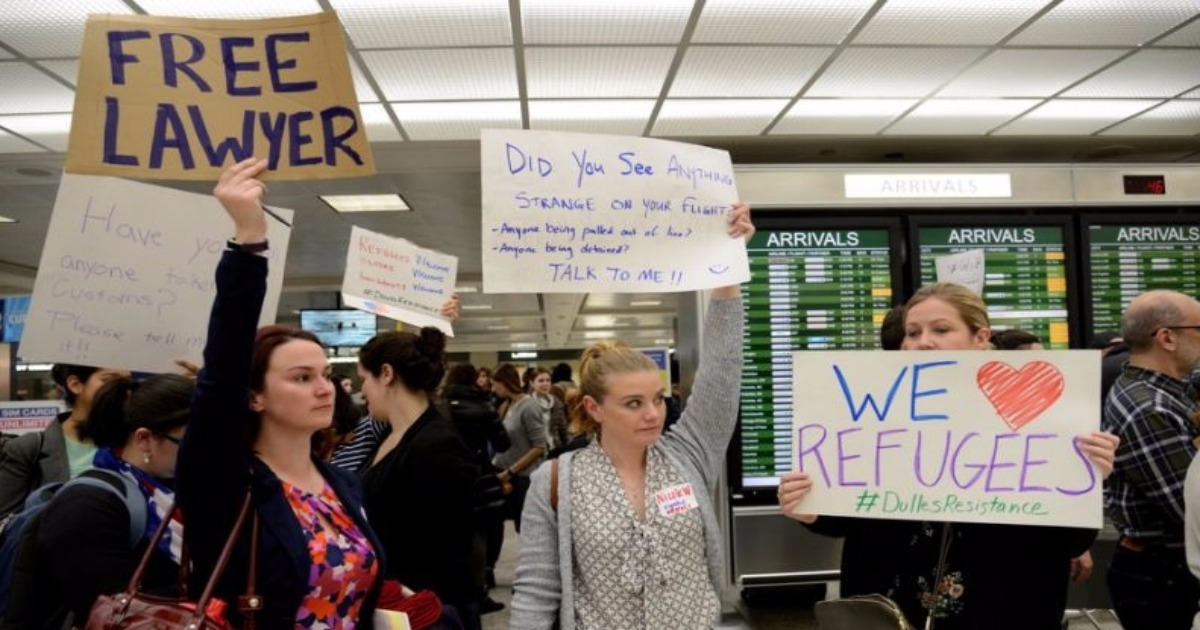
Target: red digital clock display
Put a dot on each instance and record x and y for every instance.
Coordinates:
(1145, 185)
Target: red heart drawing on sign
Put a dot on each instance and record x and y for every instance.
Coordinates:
(1020, 396)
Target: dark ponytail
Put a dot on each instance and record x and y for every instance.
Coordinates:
(159, 404)
(418, 360)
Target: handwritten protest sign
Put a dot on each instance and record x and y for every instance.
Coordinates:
(394, 278)
(126, 276)
(965, 268)
(177, 98)
(573, 213)
(950, 436)
(27, 416)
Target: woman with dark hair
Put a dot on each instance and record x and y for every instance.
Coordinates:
(418, 490)
(554, 409)
(527, 433)
(59, 452)
(1016, 339)
(81, 548)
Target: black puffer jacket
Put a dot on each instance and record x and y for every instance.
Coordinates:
(477, 422)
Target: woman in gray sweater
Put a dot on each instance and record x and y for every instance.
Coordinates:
(631, 538)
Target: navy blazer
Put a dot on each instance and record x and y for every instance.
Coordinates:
(216, 467)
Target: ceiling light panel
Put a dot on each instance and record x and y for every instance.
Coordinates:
(390, 202)
(616, 117)
(456, 121)
(715, 71)
(613, 22)
(50, 130)
(1149, 73)
(444, 75)
(1175, 118)
(892, 72)
(67, 69)
(1187, 36)
(1025, 73)
(778, 21)
(28, 90)
(1105, 22)
(946, 22)
(733, 117)
(968, 117)
(380, 127)
(230, 9)
(425, 23)
(596, 72)
(813, 116)
(1073, 117)
(39, 28)
(12, 144)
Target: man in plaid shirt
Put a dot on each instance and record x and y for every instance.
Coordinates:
(1150, 409)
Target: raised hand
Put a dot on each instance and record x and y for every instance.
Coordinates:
(241, 193)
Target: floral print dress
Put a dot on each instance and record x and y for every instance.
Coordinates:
(344, 565)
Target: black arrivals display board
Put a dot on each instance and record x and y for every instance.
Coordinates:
(1125, 259)
(809, 289)
(1027, 270)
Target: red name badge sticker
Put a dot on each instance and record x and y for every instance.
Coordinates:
(676, 500)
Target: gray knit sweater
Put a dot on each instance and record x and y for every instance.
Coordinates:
(695, 446)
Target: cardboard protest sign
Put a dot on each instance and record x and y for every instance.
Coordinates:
(975, 436)
(27, 416)
(178, 98)
(126, 276)
(965, 268)
(394, 278)
(574, 213)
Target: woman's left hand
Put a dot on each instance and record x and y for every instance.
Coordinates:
(451, 308)
(739, 221)
(1101, 448)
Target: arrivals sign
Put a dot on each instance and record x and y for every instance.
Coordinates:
(976, 436)
(176, 98)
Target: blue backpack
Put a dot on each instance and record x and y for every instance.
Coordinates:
(20, 529)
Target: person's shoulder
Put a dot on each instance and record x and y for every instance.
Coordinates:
(24, 445)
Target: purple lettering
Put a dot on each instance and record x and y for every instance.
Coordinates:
(954, 463)
(843, 458)
(917, 461)
(993, 465)
(879, 448)
(1087, 465)
(814, 449)
(1027, 463)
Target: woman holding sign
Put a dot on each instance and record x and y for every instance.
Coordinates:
(995, 577)
(622, 533)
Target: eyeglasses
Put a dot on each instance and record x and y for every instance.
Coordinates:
(172, 439)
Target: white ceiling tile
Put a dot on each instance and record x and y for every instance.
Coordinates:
(958, 23)
(1105, 22)
(68, 69)
(230, 9)
(596, 72)
(626, 118)
(448, 74)
(362, 88)
(425, 23)
(1073, 117)
(833, 116)
(28, 90)
(751, 71)
(4, 54)
(379, 125)
(1176, 118)
(1017, 73)
(1186, 36)
(968, 117)
(456, 121)
(1145, 74)
(778, 21)
(12, 144)
(733, 117)
(1193, 94)
(38, 28)
(50, 130)
(612, 22)
(892, 72)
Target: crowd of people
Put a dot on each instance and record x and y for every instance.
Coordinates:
(395, 497)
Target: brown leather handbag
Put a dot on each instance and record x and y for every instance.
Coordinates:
(134, 610)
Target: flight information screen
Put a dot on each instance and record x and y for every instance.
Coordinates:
(1126, 260)
(808, 290)
(1025, 274)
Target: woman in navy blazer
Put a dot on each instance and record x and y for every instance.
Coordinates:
(258, 402)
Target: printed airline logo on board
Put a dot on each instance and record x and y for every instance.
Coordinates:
(676, 500)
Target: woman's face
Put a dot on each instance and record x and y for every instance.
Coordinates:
(156, 454)
(297, 388)
(483, 381)
(633, 409)
(934, 324)
(85, 391)
(541, 384)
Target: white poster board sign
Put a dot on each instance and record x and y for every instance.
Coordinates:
(392, 277)
(575, 213)
(984, 437)
(126, 276)
(27, 416)
(965, 268)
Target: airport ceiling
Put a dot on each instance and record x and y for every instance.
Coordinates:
(773, 81)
